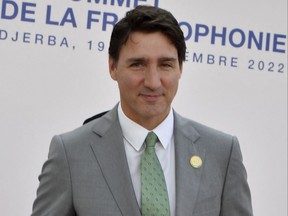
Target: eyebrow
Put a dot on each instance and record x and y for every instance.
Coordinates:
(140, 59)
(171, 59)
(135, 59)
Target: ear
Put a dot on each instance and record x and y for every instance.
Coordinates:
(112, 68)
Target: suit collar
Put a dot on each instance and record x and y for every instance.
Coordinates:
(184, 128)
(187, 177)
(104, 123)
(110, 154)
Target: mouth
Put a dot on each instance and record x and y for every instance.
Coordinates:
(150, 97)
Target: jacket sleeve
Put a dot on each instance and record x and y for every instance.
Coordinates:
(54, 194)
(236, 198)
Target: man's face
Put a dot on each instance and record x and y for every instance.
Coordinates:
(147, 72)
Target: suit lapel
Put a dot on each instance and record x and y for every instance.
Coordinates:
(187, 177)
(110, 154)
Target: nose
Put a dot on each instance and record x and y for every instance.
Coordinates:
(152, 78)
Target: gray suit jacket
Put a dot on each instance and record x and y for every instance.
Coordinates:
(87, 174)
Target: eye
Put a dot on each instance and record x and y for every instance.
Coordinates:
(135, 65)
(166, 65)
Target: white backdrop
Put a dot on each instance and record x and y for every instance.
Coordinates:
(54, 74)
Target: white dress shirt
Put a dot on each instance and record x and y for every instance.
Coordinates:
(134, 136)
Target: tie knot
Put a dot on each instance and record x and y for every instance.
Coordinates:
(151, 139)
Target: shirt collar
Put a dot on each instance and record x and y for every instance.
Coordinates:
(135, 134)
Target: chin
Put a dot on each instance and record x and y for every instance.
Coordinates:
(154, 111)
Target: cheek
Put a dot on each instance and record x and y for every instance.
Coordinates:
(129, 83)
(170, 83)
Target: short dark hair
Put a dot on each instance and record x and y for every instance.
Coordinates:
(147, 19)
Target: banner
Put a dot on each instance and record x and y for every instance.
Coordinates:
(54, 75)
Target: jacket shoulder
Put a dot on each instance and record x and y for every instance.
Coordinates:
(94, 126)
(186, 126)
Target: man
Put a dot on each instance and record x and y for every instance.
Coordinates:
(105, 168)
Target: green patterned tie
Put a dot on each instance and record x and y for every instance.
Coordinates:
(154, 196)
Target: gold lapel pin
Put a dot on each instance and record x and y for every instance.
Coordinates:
(196, 161)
